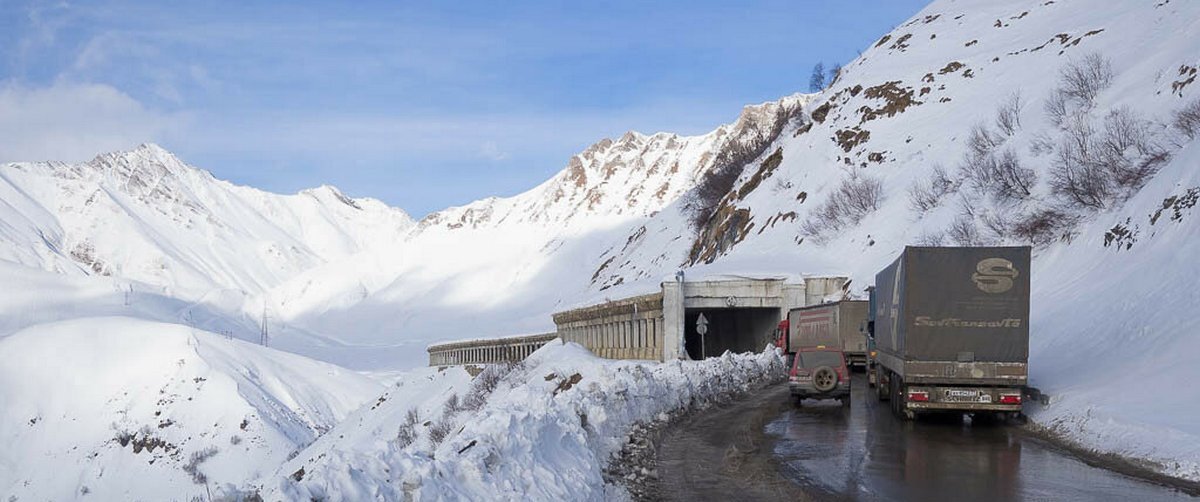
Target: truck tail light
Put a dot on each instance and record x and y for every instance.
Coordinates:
(1010, 399)
(918, 395)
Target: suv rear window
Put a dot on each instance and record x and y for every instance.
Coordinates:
(815, 359)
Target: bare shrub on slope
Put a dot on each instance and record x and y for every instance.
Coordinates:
(1094, 169)
(1008, 115)
(963, 231)
(440, 430)
(1000, 175)
(1084, 78)
(995, 173)
(1044, 226)
(192, 467)
(1056, 107)
(927, 194)
(408, 429)
(855, 198)
(484, 384)
(1079, 83)
(981, 141)
(1187, 119)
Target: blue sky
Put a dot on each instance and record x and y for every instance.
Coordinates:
(421, 104)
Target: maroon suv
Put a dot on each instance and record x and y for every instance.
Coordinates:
(820, 373)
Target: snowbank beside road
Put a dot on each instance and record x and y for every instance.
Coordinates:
(545, 432)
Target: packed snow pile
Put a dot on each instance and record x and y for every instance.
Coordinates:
(126, 409)
(544, 429)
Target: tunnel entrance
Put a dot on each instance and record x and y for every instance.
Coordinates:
(732, 329)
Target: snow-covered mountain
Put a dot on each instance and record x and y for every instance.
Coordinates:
(145, 216)
(1069, 125)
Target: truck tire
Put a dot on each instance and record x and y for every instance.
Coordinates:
(824, 379)
(900, 399)
(881, 385)
(892, 396)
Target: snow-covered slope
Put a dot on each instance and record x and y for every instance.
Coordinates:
(121, 408)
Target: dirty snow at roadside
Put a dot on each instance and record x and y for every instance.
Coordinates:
(545, 432)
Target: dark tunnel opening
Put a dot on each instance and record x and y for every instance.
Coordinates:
(733, 329)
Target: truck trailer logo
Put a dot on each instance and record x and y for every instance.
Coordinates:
(954, 322)
(994, 275)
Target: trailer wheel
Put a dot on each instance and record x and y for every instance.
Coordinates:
(882, 388)
(899, 399)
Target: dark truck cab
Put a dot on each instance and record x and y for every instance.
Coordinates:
(950, 330)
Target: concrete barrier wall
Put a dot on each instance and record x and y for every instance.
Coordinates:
(630, 328)
(499, 350)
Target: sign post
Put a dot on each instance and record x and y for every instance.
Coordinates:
(702, 328)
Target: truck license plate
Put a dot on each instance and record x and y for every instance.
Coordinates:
(969, 396)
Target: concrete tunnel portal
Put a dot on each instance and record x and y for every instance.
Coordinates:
(742, 314)
(729, 329)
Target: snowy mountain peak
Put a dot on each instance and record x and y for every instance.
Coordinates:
(146, 215)
(146, 159)
(613, 180)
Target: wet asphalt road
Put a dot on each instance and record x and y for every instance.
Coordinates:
(863, 453)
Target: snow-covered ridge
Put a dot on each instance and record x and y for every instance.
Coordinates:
(635, 175)
(146, 216)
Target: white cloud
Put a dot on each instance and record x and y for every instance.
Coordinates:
(73, 122)
(491, 151)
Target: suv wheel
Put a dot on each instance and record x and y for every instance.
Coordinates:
(824, 379)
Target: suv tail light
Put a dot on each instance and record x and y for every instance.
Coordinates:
(1010, 399)
(918, 395)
